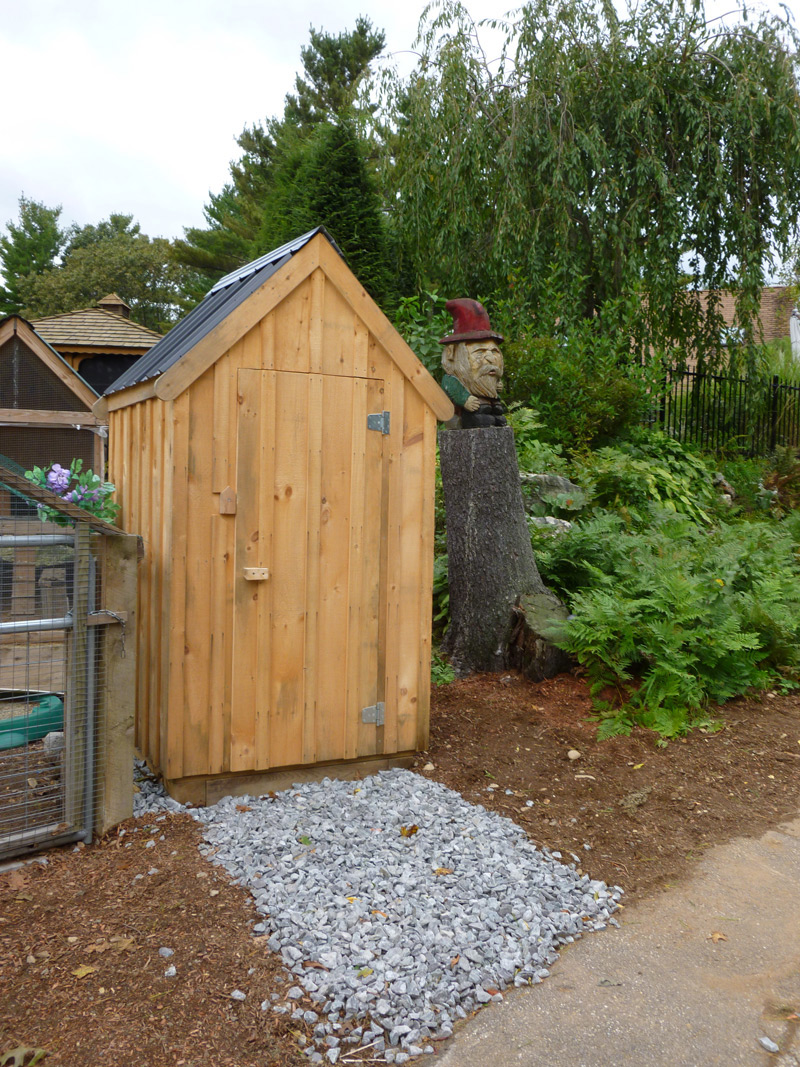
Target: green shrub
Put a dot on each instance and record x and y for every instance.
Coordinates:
(670, 618)
(583, 386)
(651, 469)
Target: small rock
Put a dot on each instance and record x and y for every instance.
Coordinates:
(573, 754)
(768, 1044)
(150, 844)
(295, 993)
(165, 953)
(429, 767)
(237, 994)
(170, 972)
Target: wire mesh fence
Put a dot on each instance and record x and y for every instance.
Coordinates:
(50, 674)
(721, 412)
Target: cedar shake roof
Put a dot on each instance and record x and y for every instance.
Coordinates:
(93, 328)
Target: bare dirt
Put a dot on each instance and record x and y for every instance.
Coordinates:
(80, 972)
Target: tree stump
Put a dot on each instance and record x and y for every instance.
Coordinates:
(500, 610)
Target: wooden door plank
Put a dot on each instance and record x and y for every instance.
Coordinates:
(333, 566)
(360, 514)
(391, 562)
(411, 575)
(264, 592)
(363, 737)
(247, 554)
(426, 583)
(287, 684)
(313, 521)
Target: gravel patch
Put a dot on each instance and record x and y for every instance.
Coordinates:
(397, 906)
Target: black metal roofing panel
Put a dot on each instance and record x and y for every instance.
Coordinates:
(216, 305)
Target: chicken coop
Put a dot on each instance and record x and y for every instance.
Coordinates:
(276, 452)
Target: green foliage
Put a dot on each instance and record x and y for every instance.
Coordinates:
(83, 488)
(441, 671)
(600, 156)
(746, 477)
(533, 455)
(113, 256)
(782, 483)
(325, 182)
(441, 595)
(422, 320)
(30, 248)
(672, 617)
(652, 469)
(334, 67)
(580, 379)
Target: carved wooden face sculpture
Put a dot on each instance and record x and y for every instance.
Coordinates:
(478, 365)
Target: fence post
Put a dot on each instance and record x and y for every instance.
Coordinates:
(773, 413)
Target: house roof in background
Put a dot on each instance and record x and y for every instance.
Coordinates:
(94, 328)
(228, 293)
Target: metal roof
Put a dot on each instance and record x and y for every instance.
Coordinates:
(216, 305)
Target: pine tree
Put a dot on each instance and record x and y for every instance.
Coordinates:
(30, 248)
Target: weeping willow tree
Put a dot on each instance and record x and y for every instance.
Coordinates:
(602, 158)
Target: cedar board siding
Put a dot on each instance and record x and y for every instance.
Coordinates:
(200, 705)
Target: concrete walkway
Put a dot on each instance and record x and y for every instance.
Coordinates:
(665, 990)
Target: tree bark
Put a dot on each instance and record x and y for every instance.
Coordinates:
(500, 610)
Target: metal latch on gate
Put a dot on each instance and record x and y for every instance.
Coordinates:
(379, 421)
(374, 713)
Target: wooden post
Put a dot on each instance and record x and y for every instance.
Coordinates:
(116, 704)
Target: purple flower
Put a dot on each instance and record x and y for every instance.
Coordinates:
(58, 478)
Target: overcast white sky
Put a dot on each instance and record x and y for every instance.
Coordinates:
(134, 107)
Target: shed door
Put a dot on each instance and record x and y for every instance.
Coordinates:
(307, 652)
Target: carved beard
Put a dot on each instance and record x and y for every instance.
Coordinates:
(478, 365)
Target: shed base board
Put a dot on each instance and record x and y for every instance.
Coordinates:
(202, 790)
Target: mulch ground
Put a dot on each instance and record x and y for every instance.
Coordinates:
(81, 976)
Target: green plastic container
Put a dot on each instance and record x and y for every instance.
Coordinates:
(46, 716)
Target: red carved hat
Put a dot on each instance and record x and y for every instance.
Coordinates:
(470, 322)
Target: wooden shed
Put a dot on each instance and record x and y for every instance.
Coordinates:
(276, 452)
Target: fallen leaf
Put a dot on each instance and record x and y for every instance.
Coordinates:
(717, 936)
(23, 1057)
(84, 970)
(121, 944)
(492, 991)
(377, 911)
(443, 870)
(308, 964)
(638, 766)
(243, 807)
(32, 783)
(304, 839)
(100, 946)
(365, 972)
(17, 880)
(454, 960)
(409, 831)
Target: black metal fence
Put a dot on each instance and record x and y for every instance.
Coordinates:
(719, 412)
